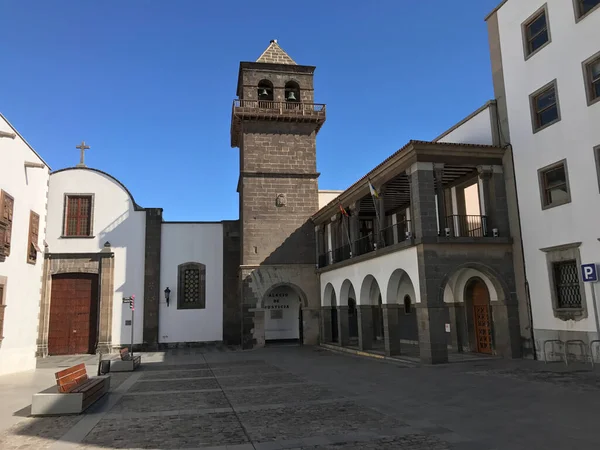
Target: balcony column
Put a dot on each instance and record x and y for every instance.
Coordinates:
(319, 247)
(391, 329)
(343, 325)
(422, 200)
(487, 209)
(441, 198)
(365, 327)
(381, 213)
(499, 201)
(354, 224)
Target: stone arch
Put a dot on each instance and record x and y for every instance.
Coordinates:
(453, 285)
(369, 291)
(347, 291)
(265, 90)
(400, 285)
(301, 295)
(292, 91)
(329, 297)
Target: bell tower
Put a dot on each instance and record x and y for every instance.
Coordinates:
(274, 124)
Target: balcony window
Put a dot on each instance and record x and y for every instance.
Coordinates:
(554, 185)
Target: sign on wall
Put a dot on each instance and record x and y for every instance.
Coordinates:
(589, 273)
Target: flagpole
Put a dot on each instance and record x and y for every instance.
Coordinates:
(373, 196)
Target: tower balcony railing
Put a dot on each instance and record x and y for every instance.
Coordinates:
(267, 107)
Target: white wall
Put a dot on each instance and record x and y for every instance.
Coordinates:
(115, 221)
(472, 130)
(572, 138)
(191, 242)
(326, 196)
(29, 188)
(381, 269)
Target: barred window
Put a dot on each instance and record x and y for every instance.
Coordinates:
(566, 284)
(78, 216)
(191, 286)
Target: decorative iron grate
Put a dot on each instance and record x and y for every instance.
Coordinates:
(566, 284)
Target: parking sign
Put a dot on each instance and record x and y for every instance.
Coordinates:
(589, 273)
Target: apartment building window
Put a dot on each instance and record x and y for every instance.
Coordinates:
(554, 185)
(545, 109)
(7, 204)
(591, 74)
(536, 32)
(566, 286)
(584, 7)
(78, 215)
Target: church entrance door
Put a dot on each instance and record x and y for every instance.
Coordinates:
(73, 314)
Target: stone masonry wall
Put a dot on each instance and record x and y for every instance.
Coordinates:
(231, 296)
(152, 277)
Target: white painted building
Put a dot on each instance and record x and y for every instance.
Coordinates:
(191, 244)
(23, 197)
(546, 67)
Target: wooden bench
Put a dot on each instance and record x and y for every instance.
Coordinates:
(126, 363)
(74, 392)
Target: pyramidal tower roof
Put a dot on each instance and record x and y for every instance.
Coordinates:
(274, 54)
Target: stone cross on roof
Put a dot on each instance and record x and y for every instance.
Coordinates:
(82, 147)
(274, 54)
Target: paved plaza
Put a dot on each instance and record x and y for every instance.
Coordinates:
(310, 398)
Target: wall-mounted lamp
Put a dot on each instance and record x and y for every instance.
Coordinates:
(167, 295)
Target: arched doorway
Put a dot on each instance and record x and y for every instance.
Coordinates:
(283, 315)
(477, 298)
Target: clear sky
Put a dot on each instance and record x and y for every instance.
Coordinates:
(149, 84)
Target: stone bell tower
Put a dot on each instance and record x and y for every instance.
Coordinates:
(274, 124)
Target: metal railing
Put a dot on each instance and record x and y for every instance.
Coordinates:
(391, 235)
(268, 106)
(465, 226)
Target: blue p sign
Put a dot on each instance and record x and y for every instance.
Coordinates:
(589, 272)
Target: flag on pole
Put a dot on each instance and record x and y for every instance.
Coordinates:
(343, 211)
(374, 192)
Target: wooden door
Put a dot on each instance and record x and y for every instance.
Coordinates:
(73, 314)
(481, 316)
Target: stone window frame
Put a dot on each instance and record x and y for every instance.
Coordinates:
(533, 111)
(527, 22)
(3, 290)
(542, 185)
(560, 253)
(579, 16)
(33, 247)
(587, 79)
(201, 302)
(64, 234)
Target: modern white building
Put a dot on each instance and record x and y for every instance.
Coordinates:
(546, 71)
(23, 197)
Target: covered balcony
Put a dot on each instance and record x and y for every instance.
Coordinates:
(425, 193)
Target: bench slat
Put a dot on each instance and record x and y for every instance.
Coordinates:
(69, 379)
(88, 385)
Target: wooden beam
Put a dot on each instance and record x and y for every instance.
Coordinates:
(34, 165)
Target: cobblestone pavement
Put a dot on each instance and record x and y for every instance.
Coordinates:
(305, 398)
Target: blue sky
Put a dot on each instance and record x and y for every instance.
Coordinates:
(149, 84)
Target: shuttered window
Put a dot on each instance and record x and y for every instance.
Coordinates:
(2, 308)
(6, 219)
(32, 243)
(78, 219)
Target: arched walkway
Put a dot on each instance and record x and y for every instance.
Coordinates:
(370, 315)
(400, 314)
(329, 315)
